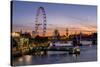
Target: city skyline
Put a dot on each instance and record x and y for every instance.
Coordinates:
(77, 18)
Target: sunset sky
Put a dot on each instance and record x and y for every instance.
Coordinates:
(77, 18)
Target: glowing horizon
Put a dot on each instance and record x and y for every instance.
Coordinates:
(77, 18)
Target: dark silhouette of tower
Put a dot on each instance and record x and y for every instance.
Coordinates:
(67, 33)
(56, 35)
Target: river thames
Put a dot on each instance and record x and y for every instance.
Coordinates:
(88, 53)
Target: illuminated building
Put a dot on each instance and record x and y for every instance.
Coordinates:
(15, 34)
(33, 34)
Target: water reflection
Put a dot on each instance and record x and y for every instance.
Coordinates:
(88, 53)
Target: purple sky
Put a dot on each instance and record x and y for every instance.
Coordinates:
(59, 16)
